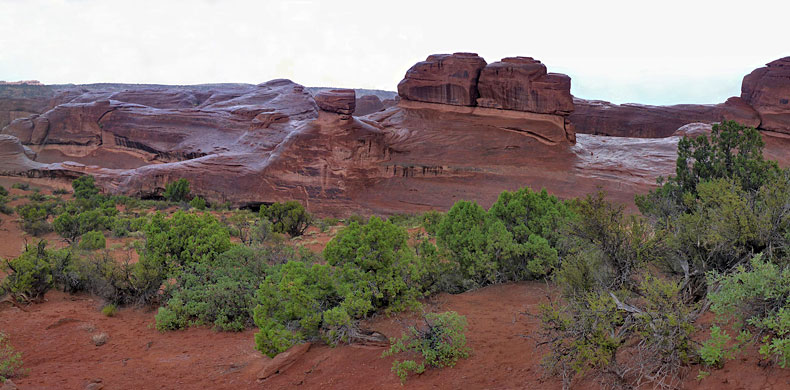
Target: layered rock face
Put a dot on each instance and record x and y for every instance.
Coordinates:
(252, 144)
(644, 121)
(339, 101)
(522, 84)
(767, 89)
(444, 79)
(519, 90)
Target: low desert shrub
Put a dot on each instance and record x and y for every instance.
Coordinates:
(10, 359)
(177, 191)
(288, 218)
(92, 240)
(221, 295)
(30, 275)
(34, 218)
(755, 299)
(440, 341)
(109, 310)
(198, 203)
(21, 186)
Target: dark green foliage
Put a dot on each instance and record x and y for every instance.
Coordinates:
(184, 239)
(288, 218)
(198, 203)
(441, 341)
(21, 186)
(378, 258)
(34, 218)
(177, 191)
(4, 208)
(527, 213)
(84, 187)
(291, 306)
(222, 294)
(732, 152)
(515, 240)
(74, 222)
(31, 274)
(92, 240)
(369, 267)
(463, 233)
(431, 220)
(60, 191)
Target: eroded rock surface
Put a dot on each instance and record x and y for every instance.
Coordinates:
(523, 84)
(645, 121)
(252, 144)
(767, 89)
(339, 101)
(444, 79)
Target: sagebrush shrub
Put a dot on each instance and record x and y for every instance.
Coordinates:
(440, 341)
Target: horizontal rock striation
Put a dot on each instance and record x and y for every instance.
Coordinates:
(644, 121)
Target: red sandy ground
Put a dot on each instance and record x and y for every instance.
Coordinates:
(54, 338)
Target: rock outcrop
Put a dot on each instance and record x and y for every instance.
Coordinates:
(339, 101)
(485, 132)
(444, 79)
(767, 89)
(523, 84)
(644, 121)
(369, 104)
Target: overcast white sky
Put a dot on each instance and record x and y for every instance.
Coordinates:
(656, 52)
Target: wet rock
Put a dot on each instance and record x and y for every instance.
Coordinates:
(444, 78)
(767, 89)
(339, 101)
(523, 84)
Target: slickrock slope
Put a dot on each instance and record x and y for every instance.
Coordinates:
(463, 129)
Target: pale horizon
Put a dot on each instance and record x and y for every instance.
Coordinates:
(669, 53)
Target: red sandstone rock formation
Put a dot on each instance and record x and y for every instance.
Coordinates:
(444, 79)
(637, 120)
(339, 101)
(767, 89)
(369, 104)
(522, 84)
(251, 144)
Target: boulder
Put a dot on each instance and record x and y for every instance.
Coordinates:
(339, 101)
(283, 360)
(693, 130)
(767, 90)
(444, 78)
(522, 84)
(368, 104)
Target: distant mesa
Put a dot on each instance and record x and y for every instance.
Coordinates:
(21, 82)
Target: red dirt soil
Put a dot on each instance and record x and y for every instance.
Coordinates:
(54, 338)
